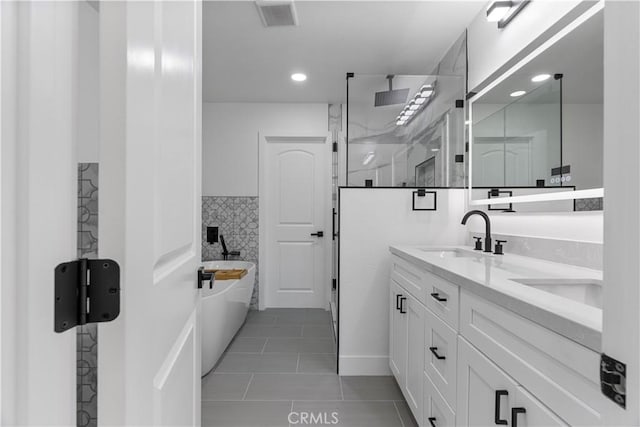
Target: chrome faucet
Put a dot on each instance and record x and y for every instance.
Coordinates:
(487, 223)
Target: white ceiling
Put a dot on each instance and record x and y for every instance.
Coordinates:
(246, 62)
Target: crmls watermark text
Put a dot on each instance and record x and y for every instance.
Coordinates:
(315, 418)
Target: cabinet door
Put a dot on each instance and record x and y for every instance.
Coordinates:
(415, 314)
(398, 334)
(485, 393)
(530, 412)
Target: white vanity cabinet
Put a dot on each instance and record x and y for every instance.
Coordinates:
(461, 360)
(489, 396)
(406, 345)
(398, 334)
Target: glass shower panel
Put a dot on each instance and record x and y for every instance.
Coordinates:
(405, 131)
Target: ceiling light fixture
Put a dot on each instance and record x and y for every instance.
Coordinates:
(503, 12)
(420, 101)
(518, 93)
(540, 78)
(368, 158)
(298, 77)
(426, 91)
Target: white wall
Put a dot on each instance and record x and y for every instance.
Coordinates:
(371, 220)
(490, 48)
(582, 143)
(88, 83)
(230, 140)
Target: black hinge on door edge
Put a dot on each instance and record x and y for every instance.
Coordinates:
(335, 147)
(86, 291)
(613, 379)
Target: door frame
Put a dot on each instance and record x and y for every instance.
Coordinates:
(38, 114)
(285, 136)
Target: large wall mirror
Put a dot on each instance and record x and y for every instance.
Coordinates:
(536, 133)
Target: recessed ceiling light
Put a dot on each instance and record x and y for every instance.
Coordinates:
(540, 78)
(518, 93)
(498, 10)
(298, 77)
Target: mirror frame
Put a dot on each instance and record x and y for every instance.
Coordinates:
(530, 198)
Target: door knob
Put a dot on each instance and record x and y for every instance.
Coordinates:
(318, 234)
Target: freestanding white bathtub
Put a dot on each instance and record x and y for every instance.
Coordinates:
(224, 309)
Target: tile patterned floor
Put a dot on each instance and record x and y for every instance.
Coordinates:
(282, 362)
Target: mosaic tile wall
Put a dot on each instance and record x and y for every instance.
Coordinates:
(237, 220)
(87, 335)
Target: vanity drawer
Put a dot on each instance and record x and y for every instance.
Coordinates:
(410, 277)
(559, 372)
(436, 411)
(440, 355)
(442, 298)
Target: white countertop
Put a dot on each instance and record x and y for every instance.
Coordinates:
(490, 276)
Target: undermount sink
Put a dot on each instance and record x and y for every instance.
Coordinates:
(450, 253)
(585, 291)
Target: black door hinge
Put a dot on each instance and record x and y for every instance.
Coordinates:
(335, 147)
(86, 291)
(613, 379)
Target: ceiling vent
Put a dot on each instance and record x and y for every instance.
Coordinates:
(274, 13)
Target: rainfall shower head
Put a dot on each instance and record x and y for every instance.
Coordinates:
(391, 97)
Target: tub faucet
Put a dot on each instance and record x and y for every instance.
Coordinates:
(225, 252)
(487, 223)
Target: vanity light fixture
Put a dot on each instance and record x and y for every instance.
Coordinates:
(518, 93)
(540, 78)
(298, 77)
(420, 101)
(368, 158)
(498, 10)
(409, 113)
(503, 12)
(413, 106)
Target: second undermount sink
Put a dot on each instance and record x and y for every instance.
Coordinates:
(585, 291)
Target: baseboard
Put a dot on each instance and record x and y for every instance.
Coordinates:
(364, 365)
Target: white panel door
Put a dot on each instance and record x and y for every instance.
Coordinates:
(149, 361)
(296, 205)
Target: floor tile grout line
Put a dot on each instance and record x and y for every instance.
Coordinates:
(398, 413)
(264, 347)
(298, 364)
(341, 390)
(244, 396)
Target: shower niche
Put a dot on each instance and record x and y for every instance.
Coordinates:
(405, 131)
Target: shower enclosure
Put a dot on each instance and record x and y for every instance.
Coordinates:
(405, 131)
